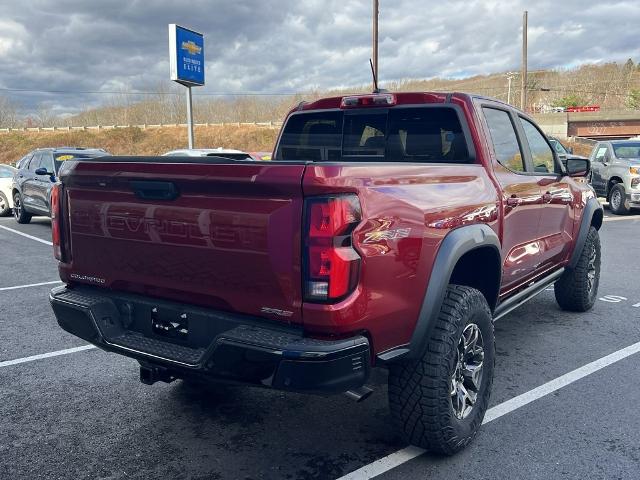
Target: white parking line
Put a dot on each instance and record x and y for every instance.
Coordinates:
(33, 358)
(402, 456)
(26, 235)
(17, 287)
(617, 219)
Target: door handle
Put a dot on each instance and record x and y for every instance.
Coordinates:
(513, 201)
(154, 190)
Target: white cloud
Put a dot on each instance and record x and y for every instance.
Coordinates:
(296, 45)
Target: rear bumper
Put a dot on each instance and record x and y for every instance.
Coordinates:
(215, 345)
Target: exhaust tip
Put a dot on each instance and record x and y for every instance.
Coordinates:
(359, 394)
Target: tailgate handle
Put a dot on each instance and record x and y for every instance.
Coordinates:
(154, 190)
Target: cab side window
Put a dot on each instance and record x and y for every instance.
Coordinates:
(47, 162)
(24, 161)
(601, 154)
(504, 139)
(34, 164)
(541, 152)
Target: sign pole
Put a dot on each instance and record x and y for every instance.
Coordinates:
(190, 117)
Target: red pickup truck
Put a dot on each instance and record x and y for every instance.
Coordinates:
(389, 230)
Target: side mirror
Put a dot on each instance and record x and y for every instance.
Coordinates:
(578, 167)
(43, 171)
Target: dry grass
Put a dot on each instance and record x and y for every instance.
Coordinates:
(580, 148)
(134, 141)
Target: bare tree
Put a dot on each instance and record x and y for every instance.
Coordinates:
(45, 116)
(8, 113)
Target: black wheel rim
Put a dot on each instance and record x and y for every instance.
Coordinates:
(17, 207)
(3, 203)
(466, 379)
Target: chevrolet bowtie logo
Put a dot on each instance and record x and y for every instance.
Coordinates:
(191, 47)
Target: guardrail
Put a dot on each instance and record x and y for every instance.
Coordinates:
(143, 126)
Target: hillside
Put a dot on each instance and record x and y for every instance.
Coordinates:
(612, 86)
(135, 141)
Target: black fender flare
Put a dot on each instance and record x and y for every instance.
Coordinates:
(591, 208)
(454, 245)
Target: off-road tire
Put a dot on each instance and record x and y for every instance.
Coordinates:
(4, 205)
(19, 212)
(420, 390)
(575, 291)
(621, 206)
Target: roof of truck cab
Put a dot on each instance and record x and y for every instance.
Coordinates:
(402, 98)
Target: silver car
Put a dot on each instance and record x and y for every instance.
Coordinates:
(615, 173)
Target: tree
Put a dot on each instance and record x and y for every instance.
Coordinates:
(571, 100)
(8, 113)
(45, 116)
(633, 100)
(629, 66)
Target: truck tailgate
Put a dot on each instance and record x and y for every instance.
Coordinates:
(223, 235)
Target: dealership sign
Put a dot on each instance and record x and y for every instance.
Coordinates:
(186, 56)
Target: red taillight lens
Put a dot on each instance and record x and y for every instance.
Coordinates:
(332, 264)
(56, 220)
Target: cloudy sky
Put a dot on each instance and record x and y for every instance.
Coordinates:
(283, 46)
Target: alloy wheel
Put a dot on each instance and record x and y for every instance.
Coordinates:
(616, 199)
(591, 268)
(467, 376)
(17, 207)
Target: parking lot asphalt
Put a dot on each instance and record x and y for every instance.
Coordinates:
(85, 414)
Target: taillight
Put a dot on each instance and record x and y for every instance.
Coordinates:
(56, 220)
(331, 263)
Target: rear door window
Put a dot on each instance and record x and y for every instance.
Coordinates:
(24, 161)
(404, 134)
(504, 139)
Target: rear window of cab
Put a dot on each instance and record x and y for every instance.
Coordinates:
(402, 134)
(62, 157)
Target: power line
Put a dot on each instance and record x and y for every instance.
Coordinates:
(287, 94)
(569, 89)
(107, 92)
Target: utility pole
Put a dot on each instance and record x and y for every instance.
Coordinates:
(376, 12)
(510, 77)
(523, 92)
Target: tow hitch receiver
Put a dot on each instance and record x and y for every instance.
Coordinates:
(174, 328)
(150, 374)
